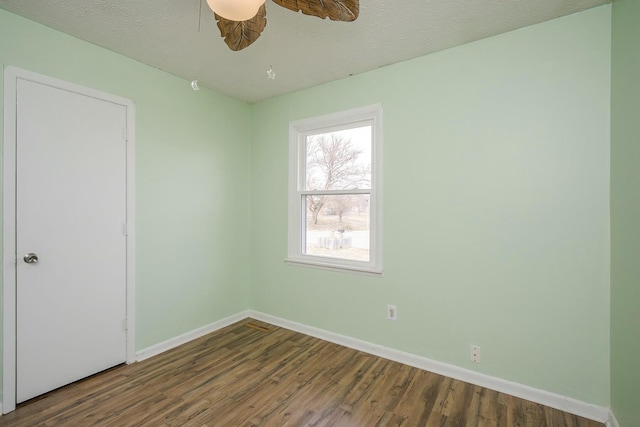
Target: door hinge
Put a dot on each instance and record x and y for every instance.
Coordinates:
(125, 229)
(124, 324)
(125, 134)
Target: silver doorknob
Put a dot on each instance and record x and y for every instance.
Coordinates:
(30, 258)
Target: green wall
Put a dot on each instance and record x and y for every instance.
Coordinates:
(192, 179)
(625, 212)
(496, 208)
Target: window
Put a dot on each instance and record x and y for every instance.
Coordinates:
(335, 190)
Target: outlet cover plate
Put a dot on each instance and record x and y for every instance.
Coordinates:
(474, 353)
(392, 312)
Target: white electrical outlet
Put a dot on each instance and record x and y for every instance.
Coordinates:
(474, 354)
(392, 312)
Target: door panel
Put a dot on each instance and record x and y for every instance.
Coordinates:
(71, 212)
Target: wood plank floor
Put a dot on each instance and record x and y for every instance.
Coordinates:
(242, 376)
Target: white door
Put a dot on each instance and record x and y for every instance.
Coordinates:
(71, 213)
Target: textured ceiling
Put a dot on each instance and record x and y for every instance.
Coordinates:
(181, 36)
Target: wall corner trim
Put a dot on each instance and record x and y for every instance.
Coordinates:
(547, 398)
(612, 421)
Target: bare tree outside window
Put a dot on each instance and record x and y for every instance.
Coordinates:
(338, 172)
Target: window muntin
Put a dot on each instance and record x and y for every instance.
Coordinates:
(335, 191)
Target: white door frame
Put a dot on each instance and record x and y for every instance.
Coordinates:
(9, 258)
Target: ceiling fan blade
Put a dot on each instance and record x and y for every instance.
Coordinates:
(336, 10)
(240, 34)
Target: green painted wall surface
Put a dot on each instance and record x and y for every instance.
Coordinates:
(496, 208)
(192, 179)
(625, 212)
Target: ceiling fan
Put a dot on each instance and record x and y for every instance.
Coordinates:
(241, 21)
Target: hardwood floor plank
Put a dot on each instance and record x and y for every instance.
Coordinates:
(262, 375)
(436, 419)
(459, 397)
(441, 402)
(473, 413)
(488, 413)
(359, 388)
(418, 402)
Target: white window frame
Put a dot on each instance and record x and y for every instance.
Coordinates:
(298, 131)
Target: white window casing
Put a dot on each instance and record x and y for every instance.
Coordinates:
(299, 130)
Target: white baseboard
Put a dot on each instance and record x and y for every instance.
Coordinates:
(189, 336)
(553, 400)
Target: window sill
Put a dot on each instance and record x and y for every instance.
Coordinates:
(367, 271)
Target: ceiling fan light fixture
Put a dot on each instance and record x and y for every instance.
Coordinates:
(236, 10)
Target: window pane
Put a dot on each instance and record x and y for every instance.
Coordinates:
(339, 160)
(338, 226)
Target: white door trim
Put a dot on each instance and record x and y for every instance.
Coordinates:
(9, 259)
